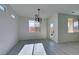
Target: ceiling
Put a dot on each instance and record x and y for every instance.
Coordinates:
(46, 9)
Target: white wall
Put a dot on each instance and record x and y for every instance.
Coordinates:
(63, 35)
(60, 22)
(24, 33)
(53, 20)
(8, 31)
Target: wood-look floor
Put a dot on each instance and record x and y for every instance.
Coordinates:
(51, 48)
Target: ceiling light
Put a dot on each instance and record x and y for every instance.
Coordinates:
(2, 8)
(37, 16)
(73, 12)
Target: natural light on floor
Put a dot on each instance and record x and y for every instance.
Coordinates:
(33, 49)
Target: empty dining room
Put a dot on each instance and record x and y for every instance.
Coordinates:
(39, 29)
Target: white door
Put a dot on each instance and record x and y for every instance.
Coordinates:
(51, 31)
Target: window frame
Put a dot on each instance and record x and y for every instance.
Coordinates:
(73, 20)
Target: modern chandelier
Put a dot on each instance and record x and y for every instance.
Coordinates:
(37, 16)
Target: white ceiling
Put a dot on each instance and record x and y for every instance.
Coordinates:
(46, 9)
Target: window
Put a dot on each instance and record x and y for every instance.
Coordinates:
(34, 26)
(76, 27)
(73, 25)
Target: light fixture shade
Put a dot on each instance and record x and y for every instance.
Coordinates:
(37, 18)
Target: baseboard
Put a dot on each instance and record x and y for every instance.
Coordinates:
(68, 42)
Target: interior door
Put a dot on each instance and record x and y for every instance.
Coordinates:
(51, 31)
